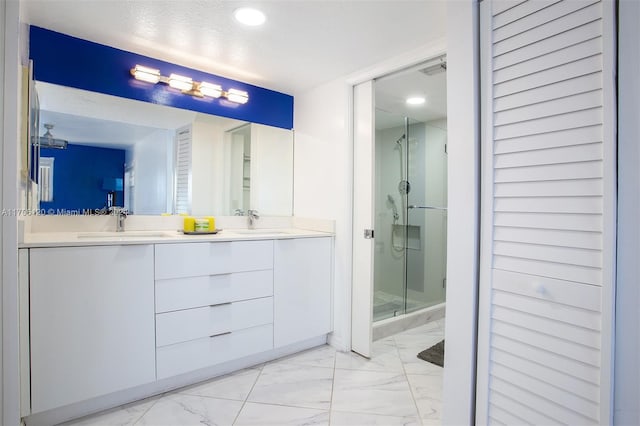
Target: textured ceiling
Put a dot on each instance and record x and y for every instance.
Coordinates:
(303, 44)
(391, 93)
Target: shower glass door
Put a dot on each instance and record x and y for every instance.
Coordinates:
(410, 214)
(426, 242)
(390, 215)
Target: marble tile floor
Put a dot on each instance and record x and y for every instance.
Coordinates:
(319, 386)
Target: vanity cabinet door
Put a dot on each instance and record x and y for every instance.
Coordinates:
(302, 289)
(92, 322)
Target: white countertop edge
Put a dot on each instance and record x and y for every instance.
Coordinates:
(75, 239)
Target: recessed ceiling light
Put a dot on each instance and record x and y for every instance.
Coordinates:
(249, 16)
(415, 100)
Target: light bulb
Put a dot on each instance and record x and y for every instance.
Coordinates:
(211, 90)
(238, 96)
(415, 100)
(180, 82)
(249, 16)
(150, 75)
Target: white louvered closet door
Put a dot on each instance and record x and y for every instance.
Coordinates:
(183, 169)
(548, 207)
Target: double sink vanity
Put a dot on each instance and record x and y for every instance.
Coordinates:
(110, 317)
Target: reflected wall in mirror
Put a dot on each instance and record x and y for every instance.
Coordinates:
(156, 159)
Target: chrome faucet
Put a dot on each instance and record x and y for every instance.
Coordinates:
(253, 216)
(121, 214)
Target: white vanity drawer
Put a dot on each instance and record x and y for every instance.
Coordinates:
(192, 292)
(191, 324)
(252, 255)
(195, 354)
(196, 259)
(192, 259)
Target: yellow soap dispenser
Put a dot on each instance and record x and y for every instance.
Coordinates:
(189, 224)
(212, 223)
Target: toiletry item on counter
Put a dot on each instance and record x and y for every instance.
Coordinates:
(189, 224)
(199, 225)
(202, 225)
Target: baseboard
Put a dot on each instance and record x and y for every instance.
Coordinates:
(126, 396)
(337, 341)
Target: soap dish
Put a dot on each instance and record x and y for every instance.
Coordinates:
(199, 232)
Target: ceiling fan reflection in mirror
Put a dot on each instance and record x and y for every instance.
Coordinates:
(48, 141)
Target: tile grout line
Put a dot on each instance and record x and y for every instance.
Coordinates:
(248, 393)
(404, 370)
(333, 384)
(150, 407)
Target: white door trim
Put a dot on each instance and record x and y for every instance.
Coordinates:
(363, 218)
(408, 59)
(609, 213)
(486, 217)
(10, 184)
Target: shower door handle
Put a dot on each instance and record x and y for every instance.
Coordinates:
(428, 207)
(368, 234)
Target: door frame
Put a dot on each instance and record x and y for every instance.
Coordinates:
(432, 50)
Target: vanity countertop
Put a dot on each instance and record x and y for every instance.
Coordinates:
(75, 239)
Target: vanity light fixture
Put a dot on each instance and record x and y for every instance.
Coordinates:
(180, 82)
(187, 86)
(210, 89)
(238, 96)
(150, 75)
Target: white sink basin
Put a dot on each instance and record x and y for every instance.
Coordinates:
(126, 234)
(258, 232)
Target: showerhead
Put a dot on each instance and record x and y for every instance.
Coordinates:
(400, 139)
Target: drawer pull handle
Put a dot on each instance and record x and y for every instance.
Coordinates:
(220, 304)
(220, 334)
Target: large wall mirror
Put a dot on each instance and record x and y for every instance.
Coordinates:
(97, 150)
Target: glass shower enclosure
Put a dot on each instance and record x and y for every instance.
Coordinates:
(410, 214)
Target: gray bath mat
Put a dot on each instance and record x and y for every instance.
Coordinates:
(434, 355)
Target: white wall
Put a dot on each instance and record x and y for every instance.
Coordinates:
(627, 340)
(207, 166)
(152, 159)
(463, 222)
(322, 182)
(11, 53)
(271, 170)
(3, 137)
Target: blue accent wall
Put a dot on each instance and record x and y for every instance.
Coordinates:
(78, 175)
(73, 62)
